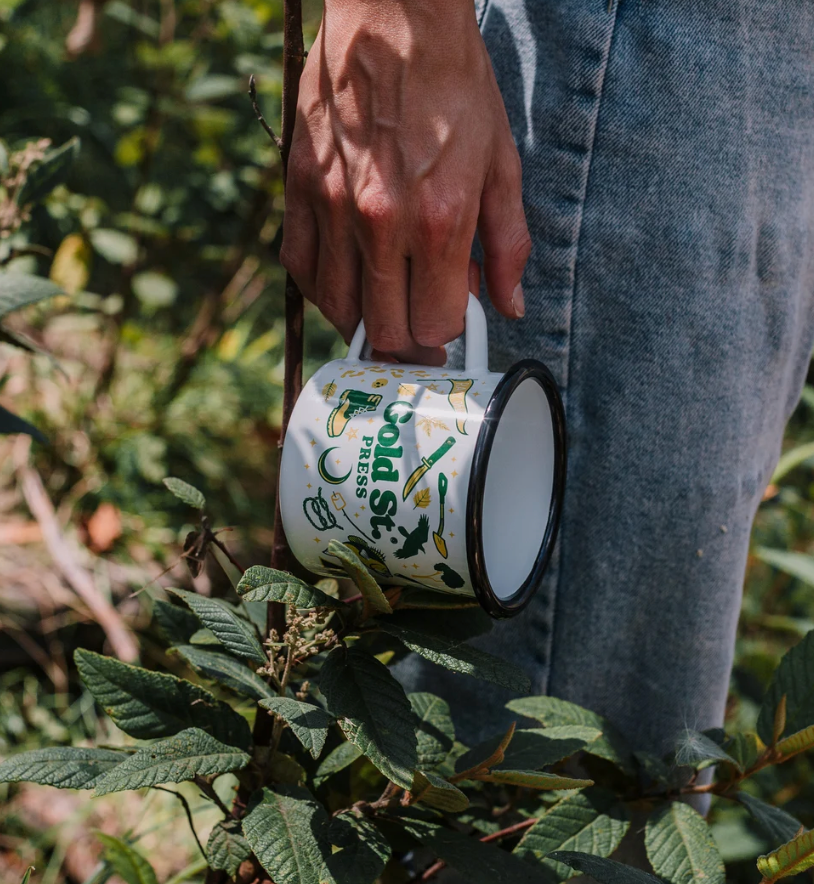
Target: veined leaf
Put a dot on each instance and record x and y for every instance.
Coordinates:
(435, 732)
(532, 779)
(176, 623)
(422, 498)
(744, 748)
(354, 567)
(66, 767)
(777, 825)
(479, 863)
(148, 704)
(20, 289)
(794, 679)
(11, 423)
(802, 741)
(261, 584)
(459, 657)
(606, 871)
(226, 671)
(681, 848)
(227, 848)
(434, 790)
(790, 859)
(364, 850)
(697, 750)
(288, 832)
(592, 822)
(308, 723)
(189, 494)
(184, 756)
(126, 861)
(48, 173)
(233, 632)
(338, 759)
(373, 711)
(535, 748)
(551, 711)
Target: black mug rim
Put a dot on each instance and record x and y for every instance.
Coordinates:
(501, 608)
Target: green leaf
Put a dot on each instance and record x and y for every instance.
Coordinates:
(261, 584)
(20, 289)
(11, 423)
(227, 848)
(364, 850)
(233, 632)
(187, 493)
(799, 565)
(66, 767)
(531, 779)
(791, 460)
(592, 822)
(226, 671)
(479, 863)
(459, 657)
(148, 704)
(484, 756)
(126, 861)
(176, 623)
(354, 567)
(309, 723)
(184, 756)
(777, 825)
(551, 711)
(434, 790)
(48, 173)
(455, 625)
(802, 741)
(435, 732)
(338, 759)
(114, 246)
(606, 871)
(743, 748)
(373, 711)
(419, 599)
(27, 875)
(794, 678)
(288, 832)
(790, 859)
(681, 848)
(697, 750)
(535, 748)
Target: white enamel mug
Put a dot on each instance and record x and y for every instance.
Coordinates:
(442, 480)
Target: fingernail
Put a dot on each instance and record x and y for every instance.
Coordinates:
(518, 304)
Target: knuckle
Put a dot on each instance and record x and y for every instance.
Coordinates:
(376, 208)
(387, 338)
(332, 190)
(435, 334)
(439, 219)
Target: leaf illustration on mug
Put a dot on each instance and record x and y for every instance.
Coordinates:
(328, 390)
(422, 498)
(428, 424)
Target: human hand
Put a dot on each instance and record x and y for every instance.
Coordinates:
(401, 148)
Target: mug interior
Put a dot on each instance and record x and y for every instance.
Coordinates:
(518, 487)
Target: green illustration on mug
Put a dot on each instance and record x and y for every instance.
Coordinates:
(320, 516)
(438, 536)
(427, 464)
(351, 404)
(322, 468)
(413, 540)
(372, 558)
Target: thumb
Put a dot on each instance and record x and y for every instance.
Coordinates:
(504, 235)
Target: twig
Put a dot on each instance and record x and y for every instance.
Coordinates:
(64, 557)
(209, 790)
(436, 867)
(222, 547)
(278, 142)
(188, 812)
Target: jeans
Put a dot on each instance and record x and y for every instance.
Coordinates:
(668, 162)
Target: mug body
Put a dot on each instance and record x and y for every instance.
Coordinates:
(440, 480)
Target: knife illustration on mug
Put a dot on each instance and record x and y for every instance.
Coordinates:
(427, 464)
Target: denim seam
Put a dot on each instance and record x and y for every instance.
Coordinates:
(613, 10)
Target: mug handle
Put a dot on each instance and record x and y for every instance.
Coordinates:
(477, 346)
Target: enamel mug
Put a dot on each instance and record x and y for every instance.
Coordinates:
(450, 481)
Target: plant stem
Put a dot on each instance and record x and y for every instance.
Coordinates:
(188, 812)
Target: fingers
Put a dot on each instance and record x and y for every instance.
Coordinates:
(504, 235)
(339, 274)
(300, 247)
(439, 293)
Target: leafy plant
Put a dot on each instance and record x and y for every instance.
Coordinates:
(343, 777)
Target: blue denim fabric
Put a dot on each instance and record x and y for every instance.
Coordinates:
(668, 157)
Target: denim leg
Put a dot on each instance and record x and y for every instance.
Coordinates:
(668, 156)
